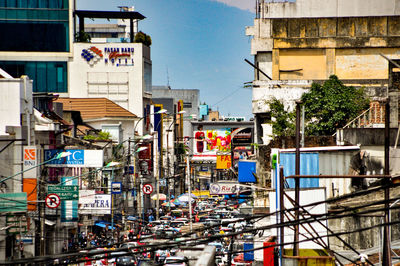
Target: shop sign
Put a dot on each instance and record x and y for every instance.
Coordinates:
(101, 205)
(223, 188)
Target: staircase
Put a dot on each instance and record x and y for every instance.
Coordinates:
(373, 117)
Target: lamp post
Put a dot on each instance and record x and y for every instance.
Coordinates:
(141, 180)
(162, 111)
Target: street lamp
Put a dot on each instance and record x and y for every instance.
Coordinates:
(162, 111)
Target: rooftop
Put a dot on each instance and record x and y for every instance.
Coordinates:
(95, 107)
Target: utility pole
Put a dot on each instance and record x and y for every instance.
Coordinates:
(297, 182)
(386, 256)
(189, 181)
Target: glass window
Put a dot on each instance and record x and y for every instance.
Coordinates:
(46, 76)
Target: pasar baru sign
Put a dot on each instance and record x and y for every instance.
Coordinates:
(224, 161)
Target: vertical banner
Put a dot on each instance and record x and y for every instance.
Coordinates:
(69, 208)
(31, 189)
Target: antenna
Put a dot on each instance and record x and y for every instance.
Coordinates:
(167, 77)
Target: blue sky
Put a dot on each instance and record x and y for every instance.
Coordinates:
(201, 42)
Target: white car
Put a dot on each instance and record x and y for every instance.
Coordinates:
(176, 261)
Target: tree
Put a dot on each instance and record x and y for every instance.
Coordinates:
(331, 105)
(282, 120)
(327, 107)
(142, 37)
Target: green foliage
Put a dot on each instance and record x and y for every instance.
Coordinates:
(142, 37)
(283, 122)
(101, 135)
(331, 106)
(82, 37)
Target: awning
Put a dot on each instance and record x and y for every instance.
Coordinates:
(103, 225)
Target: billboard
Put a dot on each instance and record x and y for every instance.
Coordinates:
(207, 143)
(77, 158)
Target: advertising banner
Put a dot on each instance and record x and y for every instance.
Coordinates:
(101, 205)
(208, 142)
(224, 161)
(223, 188)
(77, 158)
(145, 160)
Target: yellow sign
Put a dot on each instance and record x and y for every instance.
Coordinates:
(224, 161)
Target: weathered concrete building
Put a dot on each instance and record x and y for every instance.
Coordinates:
(296, 43)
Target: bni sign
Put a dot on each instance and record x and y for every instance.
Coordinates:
(30, 161)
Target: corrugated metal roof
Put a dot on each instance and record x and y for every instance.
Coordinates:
(95, 107)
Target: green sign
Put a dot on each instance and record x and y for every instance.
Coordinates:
(64, 192)
(16, 224)
(13, 202)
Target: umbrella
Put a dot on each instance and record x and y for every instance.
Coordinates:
(185, 197)
(187, 194)
(160, 197)
(177, 202)
(169, 204)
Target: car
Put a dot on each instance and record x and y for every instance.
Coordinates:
(176, 261)
(125, 260)
(161, 255)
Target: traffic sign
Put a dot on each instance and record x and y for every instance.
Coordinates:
(65, 192)
(116, 188)
(52, 201)
(147, 189)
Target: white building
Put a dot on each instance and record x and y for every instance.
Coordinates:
(120, 72)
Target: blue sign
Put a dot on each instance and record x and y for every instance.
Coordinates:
(131, 169)
(116, 188)
(248, 255)
(247, 169)
(76, 157)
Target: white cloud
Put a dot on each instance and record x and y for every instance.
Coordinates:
(242, 4)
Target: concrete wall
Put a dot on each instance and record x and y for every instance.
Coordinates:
(330, 8)
(126, 124)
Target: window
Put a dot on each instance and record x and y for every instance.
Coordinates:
(34, 25)
(187, 105)
(46, 76)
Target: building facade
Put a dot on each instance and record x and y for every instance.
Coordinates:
(298, 42)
